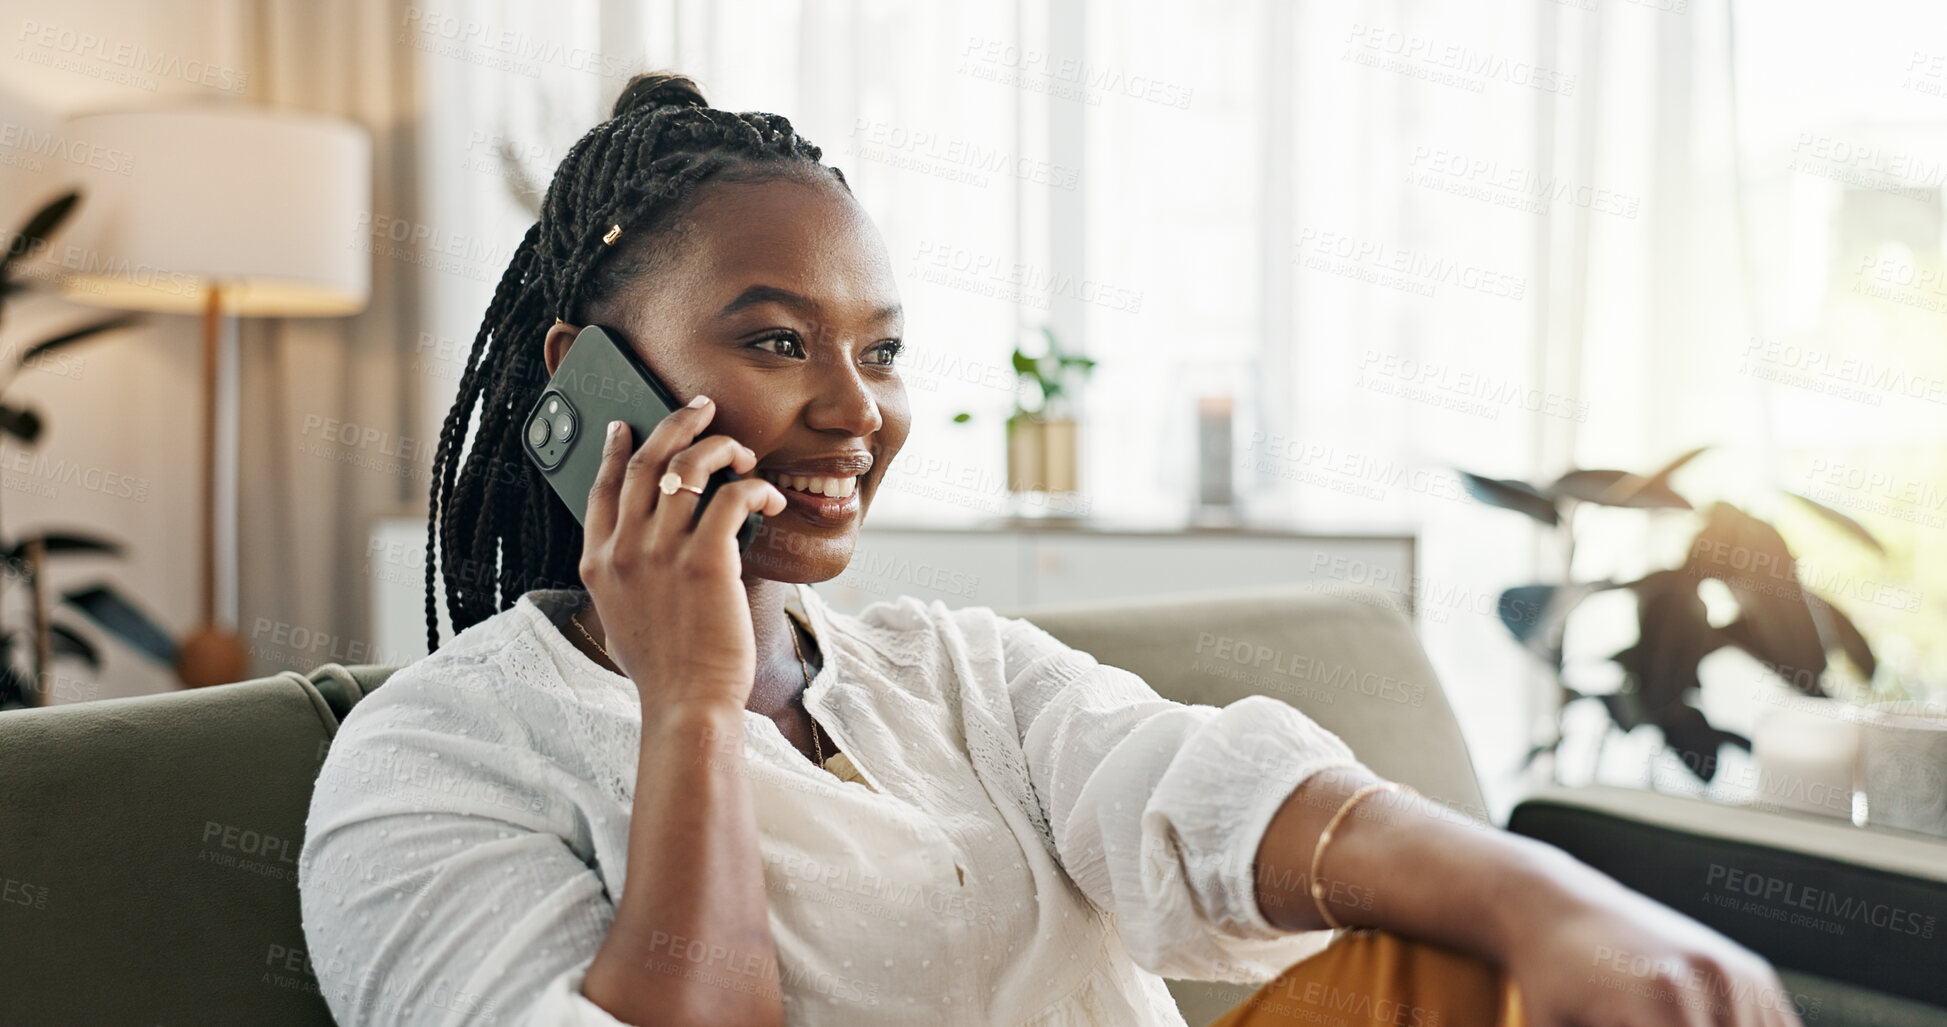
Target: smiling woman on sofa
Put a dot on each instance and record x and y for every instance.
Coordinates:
(652, 780)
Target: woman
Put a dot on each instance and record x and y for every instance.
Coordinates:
(914, 815)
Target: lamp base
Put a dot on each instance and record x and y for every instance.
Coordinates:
(211, 655)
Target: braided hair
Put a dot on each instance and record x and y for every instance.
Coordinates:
(499, 527)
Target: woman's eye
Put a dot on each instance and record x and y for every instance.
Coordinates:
(888, 351)
(793, 346)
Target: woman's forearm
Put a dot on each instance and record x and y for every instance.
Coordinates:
(1580, 946)
(691, 940)
(1405, 863)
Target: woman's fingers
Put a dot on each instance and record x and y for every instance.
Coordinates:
(731, 503)
(674, 432)
(598, 520)
(694, 465)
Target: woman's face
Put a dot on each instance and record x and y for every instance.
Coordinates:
(776, 299)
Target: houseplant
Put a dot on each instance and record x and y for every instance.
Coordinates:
(27, 556)
(1042, 453)
(1780, 622)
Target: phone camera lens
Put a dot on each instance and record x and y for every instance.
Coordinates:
(537, 432)
(564, 427)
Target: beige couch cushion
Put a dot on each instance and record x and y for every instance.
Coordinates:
(1354, 667)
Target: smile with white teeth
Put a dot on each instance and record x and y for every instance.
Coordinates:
(835, 488)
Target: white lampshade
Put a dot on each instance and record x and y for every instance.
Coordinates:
(272, 206)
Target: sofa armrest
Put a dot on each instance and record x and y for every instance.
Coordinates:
(343, 685)
(155, 841)
(1832, 903)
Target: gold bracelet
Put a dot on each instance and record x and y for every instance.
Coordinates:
(1318, 887)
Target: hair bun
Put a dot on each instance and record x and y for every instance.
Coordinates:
(653, 89)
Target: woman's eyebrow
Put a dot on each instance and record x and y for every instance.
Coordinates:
(802, 305)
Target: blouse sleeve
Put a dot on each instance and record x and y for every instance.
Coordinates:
(1157, 807)
(437, 882)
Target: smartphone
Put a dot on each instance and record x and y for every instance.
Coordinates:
(601, 379)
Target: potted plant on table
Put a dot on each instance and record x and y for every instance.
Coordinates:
(1042, 433)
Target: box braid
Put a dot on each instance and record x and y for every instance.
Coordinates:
(504, 531)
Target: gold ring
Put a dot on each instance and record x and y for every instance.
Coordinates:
(672, 481)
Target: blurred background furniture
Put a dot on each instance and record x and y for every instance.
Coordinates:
(152, 842)
(1855, 920)
(997, 562)
(209, 227)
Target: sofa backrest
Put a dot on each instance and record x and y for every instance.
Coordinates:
(148, 846)
(1347, 660)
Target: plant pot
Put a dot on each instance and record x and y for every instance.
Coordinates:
(1903, 766)
(1805, 749)
(1041, 455)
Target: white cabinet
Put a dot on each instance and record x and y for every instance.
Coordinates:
(1020, 566)
(1012, 565)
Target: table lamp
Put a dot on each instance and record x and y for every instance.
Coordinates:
(219, 209)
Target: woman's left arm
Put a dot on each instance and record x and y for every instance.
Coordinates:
(1581, 947)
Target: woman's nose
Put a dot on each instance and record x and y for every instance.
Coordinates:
(845, 402)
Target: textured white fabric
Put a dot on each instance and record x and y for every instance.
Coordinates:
(1048, 835)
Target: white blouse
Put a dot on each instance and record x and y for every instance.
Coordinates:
(1039, 837)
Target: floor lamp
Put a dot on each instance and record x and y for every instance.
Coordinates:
(217, 209)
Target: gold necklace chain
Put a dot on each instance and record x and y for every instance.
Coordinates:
(816, 745)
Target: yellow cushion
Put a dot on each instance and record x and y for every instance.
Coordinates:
(1370, 977)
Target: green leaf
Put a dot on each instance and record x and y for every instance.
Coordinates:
(1588, 486)
(1625, 707)
(14, 687)
(1837, 631)
(1653, 491)
(64, 542)
(1673, 636)
(1518, 496)
(1774, 623)
(1841, 521)
(962, 417)
(78, 334)
(1693, 739)
(124, 620)
(1536, 752)
(20, 422)
(1537, 614)
(1616, 488)
(65, 641)
(1621, 488)
(38, 227)
(1025, 365)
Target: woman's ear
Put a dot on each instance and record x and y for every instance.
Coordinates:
(555, 346)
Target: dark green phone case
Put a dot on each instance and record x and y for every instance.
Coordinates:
(599, 380)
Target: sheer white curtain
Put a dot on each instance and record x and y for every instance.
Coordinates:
(938, 157)
(325, 443)
(1405, 237)
(1248, 198)
(1340, 231)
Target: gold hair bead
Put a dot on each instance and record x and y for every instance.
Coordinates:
(614, 233)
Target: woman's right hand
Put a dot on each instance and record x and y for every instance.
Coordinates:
(670, 597)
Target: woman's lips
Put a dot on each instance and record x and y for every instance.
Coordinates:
(818, 509)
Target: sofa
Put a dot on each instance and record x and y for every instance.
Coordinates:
(148, 846)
